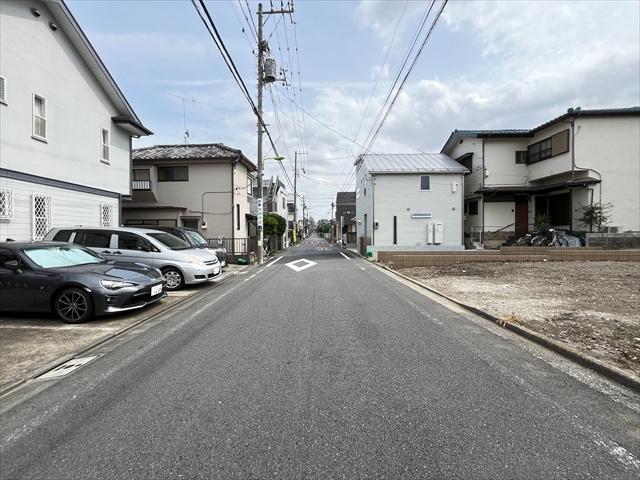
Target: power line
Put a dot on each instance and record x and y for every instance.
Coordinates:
(228, 60)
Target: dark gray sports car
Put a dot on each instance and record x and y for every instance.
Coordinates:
(74, 282)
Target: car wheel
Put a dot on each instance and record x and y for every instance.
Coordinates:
(73, 305)
(174, 278)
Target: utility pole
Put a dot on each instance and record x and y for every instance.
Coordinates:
(333, 224)
(263, 46)
(295, 196)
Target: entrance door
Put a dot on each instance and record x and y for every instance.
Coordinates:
(522, 215)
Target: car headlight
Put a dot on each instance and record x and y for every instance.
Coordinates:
(115, 284)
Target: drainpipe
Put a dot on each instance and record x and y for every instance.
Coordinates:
(233, 210)
(483, 172)
(373, 210)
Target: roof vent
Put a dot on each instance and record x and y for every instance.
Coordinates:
(570, 110)
(35, 12)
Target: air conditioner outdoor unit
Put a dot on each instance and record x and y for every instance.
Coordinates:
(203, 224)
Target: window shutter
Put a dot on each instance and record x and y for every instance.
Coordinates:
(106, 215)
(3, 89)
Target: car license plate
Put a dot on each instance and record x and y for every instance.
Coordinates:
(156, 290)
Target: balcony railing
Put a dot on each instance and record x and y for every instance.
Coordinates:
(141, 184)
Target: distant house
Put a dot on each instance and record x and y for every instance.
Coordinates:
(204, 186)
(293, 212)
(345, 220)
(409, 202)
(579, 158)
(65, 126)
(275, 201)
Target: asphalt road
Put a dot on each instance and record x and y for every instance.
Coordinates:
(334, 371)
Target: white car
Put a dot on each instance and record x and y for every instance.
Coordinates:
(179, 262)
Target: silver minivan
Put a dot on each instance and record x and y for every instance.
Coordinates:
(179, 262)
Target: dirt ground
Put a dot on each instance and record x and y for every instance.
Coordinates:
(593, 306)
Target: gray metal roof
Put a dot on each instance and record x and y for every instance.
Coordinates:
(201, 151)
(411, 163)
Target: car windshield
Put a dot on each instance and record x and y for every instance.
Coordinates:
(171, 241)
(196, 238)
(62, 256)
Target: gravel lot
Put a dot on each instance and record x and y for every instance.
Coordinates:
(593, 306)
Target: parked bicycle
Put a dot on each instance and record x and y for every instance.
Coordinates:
(550, 238)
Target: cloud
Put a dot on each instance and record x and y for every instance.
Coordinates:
(380, 70)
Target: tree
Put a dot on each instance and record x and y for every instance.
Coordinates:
(274, 224)
(542, 221)
(596, 214)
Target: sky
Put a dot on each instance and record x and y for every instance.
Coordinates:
(487, 64)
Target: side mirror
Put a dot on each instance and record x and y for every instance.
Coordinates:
(12, 265)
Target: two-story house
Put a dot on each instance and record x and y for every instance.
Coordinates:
(409, 202)
(579, 158)
(204, 186)
(65, 126)
(345, 219)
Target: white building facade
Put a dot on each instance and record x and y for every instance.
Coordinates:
(408, 202)
(580, 158)
(65, 126)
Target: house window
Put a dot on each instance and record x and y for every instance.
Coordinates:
(284, 203)
(472, 208)
(104, 136)
(173, 174)
(237, 216)
(521, 156)
(425, 182)
(6, 204)
(549, 147)
(3, 90)
(395, 230)
(106, 215)
(40, 215)
(39, 117)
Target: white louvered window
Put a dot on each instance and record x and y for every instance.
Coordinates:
(6, 204)
(40, 215)
(106, 215)
(3, 90)
(105, 145)
(39, 117)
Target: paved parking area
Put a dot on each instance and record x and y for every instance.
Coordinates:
(29, 343)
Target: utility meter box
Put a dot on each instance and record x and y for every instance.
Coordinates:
(438, 233)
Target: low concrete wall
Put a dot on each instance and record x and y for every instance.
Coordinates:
(388, 256)
(424, 249)
(511, 250)
(557, 255)
(613, 240)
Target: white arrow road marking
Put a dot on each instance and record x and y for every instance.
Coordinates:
(299, 265)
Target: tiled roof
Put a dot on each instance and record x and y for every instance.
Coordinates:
(411, 163)
(457, 135)
(202, 151)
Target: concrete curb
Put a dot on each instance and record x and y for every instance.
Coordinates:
(65, 358)
(613, 373)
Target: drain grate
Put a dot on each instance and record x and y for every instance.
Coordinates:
(67, 367)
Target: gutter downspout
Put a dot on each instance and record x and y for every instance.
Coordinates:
(233, 209)
(483, 174)
(373, 210)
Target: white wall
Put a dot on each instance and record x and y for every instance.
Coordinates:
(500, 162)
(37, 60)
(554, 165)
(611, 146)
(498, 215)
(400, 195)
(68, 208)
(364, 203)
(473, 180)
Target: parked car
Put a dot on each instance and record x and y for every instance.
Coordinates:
(192, 236)
(72, 281)
(180, 263)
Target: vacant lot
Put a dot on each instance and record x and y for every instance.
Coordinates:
(593, 306)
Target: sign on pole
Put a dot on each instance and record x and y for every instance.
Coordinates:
(259, 212)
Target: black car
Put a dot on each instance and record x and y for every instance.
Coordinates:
(72, 281)
(190, 235)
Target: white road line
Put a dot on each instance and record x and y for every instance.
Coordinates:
(242, 273)
(277, 259)
(361, 268)
(344, 255)
(251, 276)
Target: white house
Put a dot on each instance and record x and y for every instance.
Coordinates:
(65, 126)
(409, 202)
(579, 158)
